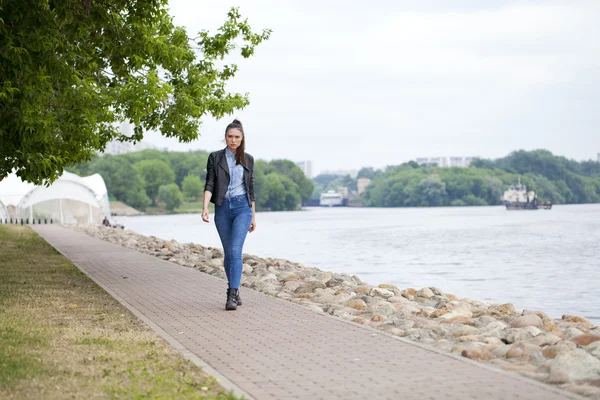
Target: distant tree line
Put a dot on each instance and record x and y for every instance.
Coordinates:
(167, 179)
(553, 178)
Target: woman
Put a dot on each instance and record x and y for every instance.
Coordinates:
(230, 186)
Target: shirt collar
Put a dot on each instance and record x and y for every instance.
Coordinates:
(229, 153)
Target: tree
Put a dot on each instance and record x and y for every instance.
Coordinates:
(155, 173)
(192, 187)
(292, 171)
(170, 195)
(71, 70)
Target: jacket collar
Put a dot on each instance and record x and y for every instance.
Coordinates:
(223, 161)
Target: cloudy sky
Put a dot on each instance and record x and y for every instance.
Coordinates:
(375, 83)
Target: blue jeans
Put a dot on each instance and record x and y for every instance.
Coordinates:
(233, 219)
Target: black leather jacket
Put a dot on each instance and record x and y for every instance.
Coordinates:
(217, 177)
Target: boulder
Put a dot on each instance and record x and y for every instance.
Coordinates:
(523, 351)
(310, 287)
(575, 366)
(464, 330)
(356, 304)
(379, 292)
(425, 293)
(593, 349)
(459, 319)
(585, 339)
(560, 347)
(527, 320)
(382, 307)
(544, 339)
(516, 335)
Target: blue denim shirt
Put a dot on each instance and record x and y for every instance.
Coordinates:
(236, 176)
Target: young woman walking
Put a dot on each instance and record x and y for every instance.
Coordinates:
(230, 186)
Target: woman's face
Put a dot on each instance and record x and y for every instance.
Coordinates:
(233, 137)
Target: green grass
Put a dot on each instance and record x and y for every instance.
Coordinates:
(62, 336)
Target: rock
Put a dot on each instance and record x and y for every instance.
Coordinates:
(305, 295)
(553, 351)
(594, 349)
(585, 339)
(287, 277)
(269, 277)
(572, 332)
(426, 324)
(544, 339)
(291, 286)
(519, 334)
(481, 353)
(382, 307)
(464, 330)
(357, 280)
(324, 277)
(362, 290)
(216, 263)
(425, 292)
(310, 287)
(404, 324)
(577, 319)
(378, 318)
(495, 326)
(459, 319)
(390, 287)
(503, 310)
(451, 297)
(356, 304)
(384, 293)
(574, 366)
(408, 308)
(408, 293)
(398, 300)
(523, 351)
(341, 291)
(460, 309)
(527, 320)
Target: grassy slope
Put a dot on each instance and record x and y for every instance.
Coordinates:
(62, 336)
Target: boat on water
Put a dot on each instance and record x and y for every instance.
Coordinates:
(518, 198)
(331, 198)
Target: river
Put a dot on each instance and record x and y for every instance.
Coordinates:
(546, 260)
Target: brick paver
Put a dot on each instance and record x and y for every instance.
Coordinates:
(273, 349)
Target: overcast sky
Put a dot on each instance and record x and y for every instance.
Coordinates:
(375, 83)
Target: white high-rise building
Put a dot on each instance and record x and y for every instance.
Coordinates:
(115, 147)
(457, 162)
(306, 167)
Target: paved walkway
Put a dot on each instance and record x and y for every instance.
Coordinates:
(273, 349)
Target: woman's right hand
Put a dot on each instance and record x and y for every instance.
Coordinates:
(205, 215)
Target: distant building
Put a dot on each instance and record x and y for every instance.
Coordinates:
(341, 172)
(444, 161)
(598, 157)
(115, 147)
(362, 184)
(457, 162)
(306, 167)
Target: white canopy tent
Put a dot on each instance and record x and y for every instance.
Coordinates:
(70, 199)
(3, 211)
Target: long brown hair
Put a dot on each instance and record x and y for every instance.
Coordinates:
(240, 154)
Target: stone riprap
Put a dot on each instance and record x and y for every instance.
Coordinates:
(564, 352)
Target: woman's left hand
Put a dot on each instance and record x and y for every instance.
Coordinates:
(252, 225)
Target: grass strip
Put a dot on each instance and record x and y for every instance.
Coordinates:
(62, 336)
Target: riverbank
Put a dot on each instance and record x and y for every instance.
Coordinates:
(562, 351)
(62, 336)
